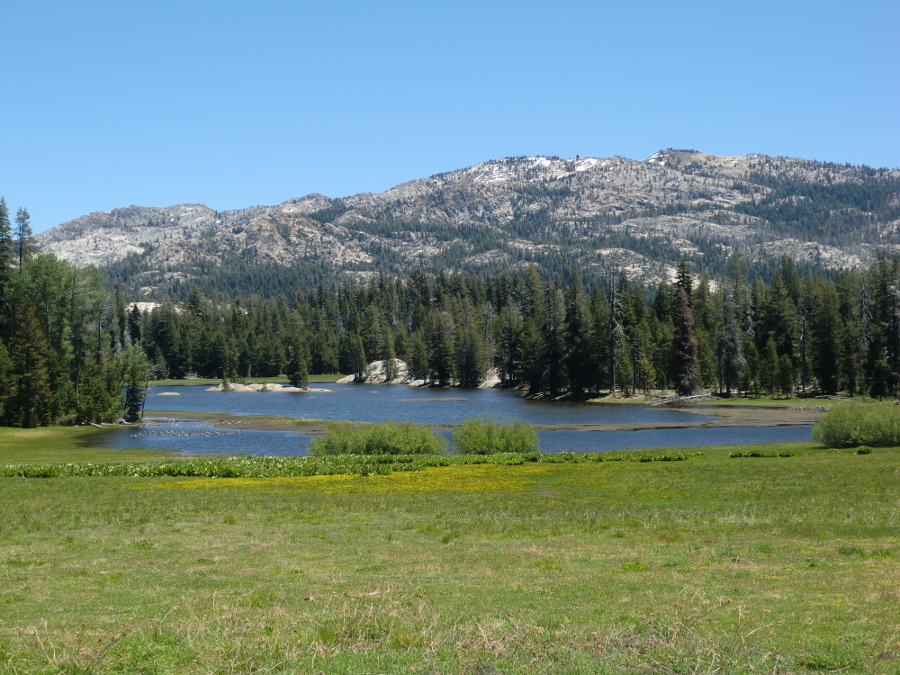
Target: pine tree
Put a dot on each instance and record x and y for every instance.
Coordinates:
(24, 238)
(360, 363)
(135, 369)
(417, 358)
(6, 242)
(297, 368)
(470, 357)
(5, 379)
(684, 279)
(135, 320)
(640, 349)
(824, 323)
(883, 332)
(390, 355)
(120, 322)
(769, 367)
(616, 331)
(707, 320)
(554, 345)
(731, 360)
(577, 335)
(507, 330)
(93, 400)
(786, 375)
(28, 400)
(684, 346)
(599, 340)
(5, 270)
(440, 348)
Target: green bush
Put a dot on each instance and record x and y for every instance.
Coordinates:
(850, 425)
(759, 453)
(483, 436)
(387, 438)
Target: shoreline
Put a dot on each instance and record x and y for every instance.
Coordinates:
(725, 417)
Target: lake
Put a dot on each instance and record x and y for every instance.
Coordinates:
(379, 403)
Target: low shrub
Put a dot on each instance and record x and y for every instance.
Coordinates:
(851, 425)
(483, 436)
(758, 453)
(387, 438)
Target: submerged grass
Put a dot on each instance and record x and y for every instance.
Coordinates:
(469, 564)
(65, 444)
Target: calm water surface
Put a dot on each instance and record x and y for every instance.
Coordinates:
(378, 403)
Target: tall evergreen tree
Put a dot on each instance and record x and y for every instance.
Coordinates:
(28, 402)
(577, 335)
(5, 380)
(508, 328)
(616, 330)
(684, 346)
(417, 358)
(440, 348)
(135, 372)
(824, 324)
(5, 269)
(554, 346)
(390, 355)
(731, 360)
(25, 247)
(599, 340)
(471, 358)
(93, 401)
(297, 363)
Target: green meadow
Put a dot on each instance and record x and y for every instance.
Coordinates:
(713, 564)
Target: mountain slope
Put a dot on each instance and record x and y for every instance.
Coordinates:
(599, 214)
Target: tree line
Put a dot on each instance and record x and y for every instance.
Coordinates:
(796, 332)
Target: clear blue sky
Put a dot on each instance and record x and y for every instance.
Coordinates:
(232, 104)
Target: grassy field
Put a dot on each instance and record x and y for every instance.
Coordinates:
(710, 565)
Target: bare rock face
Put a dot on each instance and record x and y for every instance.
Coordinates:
(599, 214)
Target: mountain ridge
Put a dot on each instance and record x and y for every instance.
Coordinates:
(600, 214)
